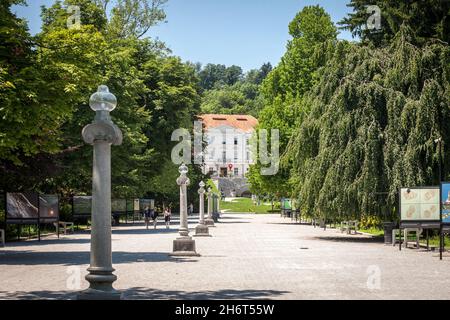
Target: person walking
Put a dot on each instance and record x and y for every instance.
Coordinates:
(167, 215)
(191, 209)
(147, 216)
(154, 214)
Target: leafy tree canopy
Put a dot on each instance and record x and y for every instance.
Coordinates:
(428, 19)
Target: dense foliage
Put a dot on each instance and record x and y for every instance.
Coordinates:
(364, 117)
(357, 120)
(45, 84)
(429, 19)
(312, 33)
(230, 91)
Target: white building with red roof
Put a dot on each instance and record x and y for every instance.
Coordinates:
(228, 150)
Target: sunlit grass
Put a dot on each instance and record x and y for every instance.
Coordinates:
(244, 205)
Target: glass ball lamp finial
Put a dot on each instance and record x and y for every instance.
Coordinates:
(183, 169)
(103, 100)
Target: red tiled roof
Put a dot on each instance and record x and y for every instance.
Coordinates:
(240, 122)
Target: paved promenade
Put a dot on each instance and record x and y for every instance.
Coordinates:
(248, 257)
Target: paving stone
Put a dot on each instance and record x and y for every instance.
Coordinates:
(247, 257)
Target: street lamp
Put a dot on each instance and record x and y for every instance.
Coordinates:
(184, 245)
(439, 142)
(102, 133)
(202, 229)
(209, 220)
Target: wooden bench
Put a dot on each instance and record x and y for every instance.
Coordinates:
(2, 237)
(417, 232)
(349, 226)
(65, 225)
(406, 232)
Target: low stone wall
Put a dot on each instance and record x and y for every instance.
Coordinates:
(239, 185)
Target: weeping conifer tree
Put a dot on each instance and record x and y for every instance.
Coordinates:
(371, 125)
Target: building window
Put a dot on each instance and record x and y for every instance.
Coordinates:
(224, 156)
(235, 141)
(236, 171)
(211, 170)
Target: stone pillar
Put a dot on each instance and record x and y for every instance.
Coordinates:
(209, 220)
(202, 229)
(102, 133)
(184, 245)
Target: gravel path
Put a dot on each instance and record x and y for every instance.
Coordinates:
(248, 257)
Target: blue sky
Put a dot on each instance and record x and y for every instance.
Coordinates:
(247, 33)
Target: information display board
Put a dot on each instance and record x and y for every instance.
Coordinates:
(420, 204)
(130, 206)
(31, 208)
(445, 203)
(22, 207)
(144, 203)
(118, 206)
(286, 204)
(82, 206)
(48, 208)
(136, 207)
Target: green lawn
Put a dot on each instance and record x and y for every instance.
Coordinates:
(373, 231)
(244, 205)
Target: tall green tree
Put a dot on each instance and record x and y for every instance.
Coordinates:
(217, 75)
(374, 117)
(312, 33)
(157, 94)
(428, 19)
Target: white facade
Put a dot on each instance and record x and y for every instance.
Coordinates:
(228, 151)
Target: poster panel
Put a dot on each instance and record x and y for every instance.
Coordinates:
(419, 204)
(118, 205)
(136, 207)
(82, 205)
(48, 208)
(286, 204)
(22, 206)
(143, 203)
(445, 202)
(130, 205)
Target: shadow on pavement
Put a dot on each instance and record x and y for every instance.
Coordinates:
(231, 217)
(289, 224)
(35, 243)
(226, 294)
(355, 239)
(159, 230)
(232, 222)
(82, 257)
(152, 294)
(38, 295)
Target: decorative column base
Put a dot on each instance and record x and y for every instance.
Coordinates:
(209, 222)
(184, 247)
(101, 288)
(202, 230)
(92, 294)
